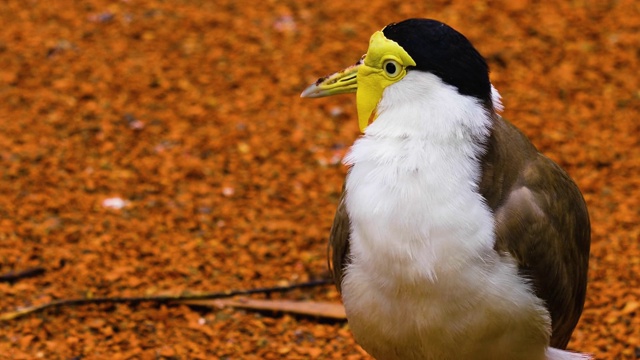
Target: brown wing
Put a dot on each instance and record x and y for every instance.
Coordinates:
(338, 249)
(541, 221)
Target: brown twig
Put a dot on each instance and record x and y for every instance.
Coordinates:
(161, 299)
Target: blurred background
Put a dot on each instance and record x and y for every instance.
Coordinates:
(155, 147)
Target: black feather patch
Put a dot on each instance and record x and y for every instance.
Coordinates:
(439, 49)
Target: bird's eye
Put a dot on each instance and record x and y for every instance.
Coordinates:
(392, 68)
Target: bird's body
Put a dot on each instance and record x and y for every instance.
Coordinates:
(455, 238)
(423, 267)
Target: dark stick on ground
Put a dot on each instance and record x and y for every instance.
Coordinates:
(161, 299)
(13, 276)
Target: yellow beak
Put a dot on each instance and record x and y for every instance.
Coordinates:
(368, 77)
(342, 82)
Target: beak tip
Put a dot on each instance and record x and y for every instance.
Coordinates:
(309, 92)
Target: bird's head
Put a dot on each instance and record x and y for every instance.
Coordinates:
(412, 45)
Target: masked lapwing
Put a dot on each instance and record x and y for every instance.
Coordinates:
(454, 238)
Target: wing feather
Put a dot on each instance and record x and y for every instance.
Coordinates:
(542, 222)
(338, 249)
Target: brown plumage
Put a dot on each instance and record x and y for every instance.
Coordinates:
(541, 221)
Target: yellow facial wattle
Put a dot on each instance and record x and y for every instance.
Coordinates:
(384, 64)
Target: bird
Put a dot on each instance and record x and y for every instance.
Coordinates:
(454, 238)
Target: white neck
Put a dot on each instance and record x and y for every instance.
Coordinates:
(413, 187)
(422, 105)
(423, 122)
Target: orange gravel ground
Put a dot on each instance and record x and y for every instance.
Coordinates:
(188, 111)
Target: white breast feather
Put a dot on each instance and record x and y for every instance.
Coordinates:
(424, 281)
